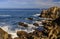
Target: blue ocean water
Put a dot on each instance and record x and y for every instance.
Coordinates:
(13, 16)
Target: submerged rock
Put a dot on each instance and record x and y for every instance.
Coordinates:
(16, 38)
(35, 24)
(22, 24)
(30, 18)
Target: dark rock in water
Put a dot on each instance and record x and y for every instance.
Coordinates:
(3, 34)
(22, 24)
(40, 28)
(30, 18)
(36, 24)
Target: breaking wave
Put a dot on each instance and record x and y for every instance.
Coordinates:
(9, 30)
(36, 15)
(5, 15)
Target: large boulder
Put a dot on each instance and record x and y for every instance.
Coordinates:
(22, 34)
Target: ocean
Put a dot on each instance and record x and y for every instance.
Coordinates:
(9, 19)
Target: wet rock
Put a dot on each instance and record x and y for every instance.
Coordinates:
(40, 28)
(22, 24)
(35, 24)
(30, 18)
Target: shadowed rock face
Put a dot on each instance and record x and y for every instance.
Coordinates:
(9, 36)
(16, 38)
(57, 21)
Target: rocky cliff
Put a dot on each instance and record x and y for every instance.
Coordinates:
(51, 27)
(53, 12)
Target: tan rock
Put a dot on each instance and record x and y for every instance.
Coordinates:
(52, 12)
(3, 34)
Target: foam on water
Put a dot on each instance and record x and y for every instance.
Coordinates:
(36, 15)
(5, 15)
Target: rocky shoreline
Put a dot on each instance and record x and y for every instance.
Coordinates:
(49, 30)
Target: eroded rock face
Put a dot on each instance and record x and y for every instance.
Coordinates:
(52, 12)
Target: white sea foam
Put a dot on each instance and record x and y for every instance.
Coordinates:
(5, 15)
(7, 28)
(9, 31)
(39, 23)
(36, 15)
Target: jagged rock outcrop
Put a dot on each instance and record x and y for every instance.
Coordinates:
(53, 12)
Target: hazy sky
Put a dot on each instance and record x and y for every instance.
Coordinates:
(28, 3)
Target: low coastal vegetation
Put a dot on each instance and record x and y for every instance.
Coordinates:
(50, 30)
